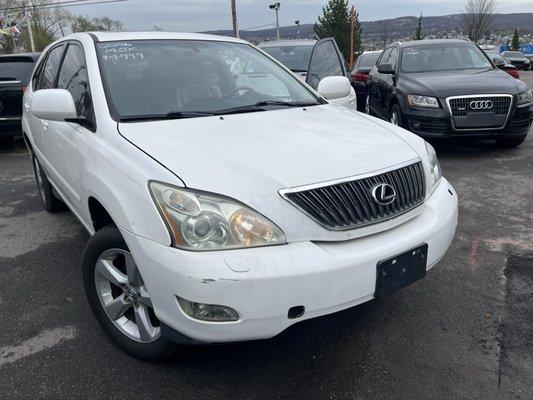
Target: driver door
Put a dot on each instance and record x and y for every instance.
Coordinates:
(327, 60)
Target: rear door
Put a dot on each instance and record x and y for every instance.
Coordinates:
(15, 72)
(376, 85)
(61, 139)
(326, 60)
(43, 78)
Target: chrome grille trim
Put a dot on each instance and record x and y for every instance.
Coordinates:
(493, 97)
(346, 203)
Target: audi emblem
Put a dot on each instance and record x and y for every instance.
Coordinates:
(481, 105)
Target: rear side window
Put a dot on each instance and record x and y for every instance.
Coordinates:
(49, 72)
(16, 69)
(385, 57)
(73, 77)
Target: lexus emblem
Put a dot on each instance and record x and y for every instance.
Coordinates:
(481, 105)
(383, 194)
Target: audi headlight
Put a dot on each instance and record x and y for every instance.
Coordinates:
(525, 97)
(422, 101)
(205, 221)
(435, 173)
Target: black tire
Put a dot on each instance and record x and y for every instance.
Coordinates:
(51, 202)
(105, 239)
(395, 110)
(511, 142)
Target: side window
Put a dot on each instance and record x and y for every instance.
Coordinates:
(35, 81)
(73, 77)
(324, 62)
(384, 59)
(393, 58)
(50, 68)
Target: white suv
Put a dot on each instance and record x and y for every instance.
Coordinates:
(221, 211)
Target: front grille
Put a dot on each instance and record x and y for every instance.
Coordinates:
(460, 107)
(350, 204)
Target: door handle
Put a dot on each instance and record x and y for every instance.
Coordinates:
(44, 124)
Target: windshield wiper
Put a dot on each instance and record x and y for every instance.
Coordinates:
(259, 106)
(283, 103)
(170, 115)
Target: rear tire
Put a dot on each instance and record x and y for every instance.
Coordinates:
(111, 279)
(51, 202)
(511, 142)
(396, 115)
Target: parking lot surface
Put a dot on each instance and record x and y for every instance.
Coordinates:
(463, 332)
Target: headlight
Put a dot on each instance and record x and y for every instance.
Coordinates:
(422, 101)
(205, 221)
(435, 172)
(524, 97)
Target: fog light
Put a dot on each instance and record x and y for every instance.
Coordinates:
(416, 124)
(208, 312)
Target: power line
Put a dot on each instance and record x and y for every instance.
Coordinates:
(257, 27)
(63, 4)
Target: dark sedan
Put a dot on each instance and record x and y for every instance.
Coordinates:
(15, 72)
(518, 59)
(502, 63)
(359, 74)
(449, 88)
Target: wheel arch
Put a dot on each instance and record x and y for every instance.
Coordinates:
(100, 217)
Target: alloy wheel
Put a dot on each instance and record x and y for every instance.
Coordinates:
(394, 118)
(124, 297)
(367, 105)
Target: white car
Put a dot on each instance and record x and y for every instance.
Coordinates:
(312, 61)
(219, 212)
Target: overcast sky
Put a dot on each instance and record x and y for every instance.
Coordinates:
(201, 15)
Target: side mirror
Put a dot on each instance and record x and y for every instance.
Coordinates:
(386, 69)
(498, 62)
(334, 87)
(53, 105)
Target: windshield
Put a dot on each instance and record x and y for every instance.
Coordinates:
(192, 78)
(367, 60)
(296, 58)
(16, 70)
(443, 57)
(517, 54)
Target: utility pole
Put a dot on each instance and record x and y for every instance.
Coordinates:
(352, 21)
(276, 6)
(234, 18)
(297, 22)
(30, 30)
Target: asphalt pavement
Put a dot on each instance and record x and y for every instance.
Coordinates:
(463, 332)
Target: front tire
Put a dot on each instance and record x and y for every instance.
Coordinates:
(511, 142)
(51, 202)
(119, 299)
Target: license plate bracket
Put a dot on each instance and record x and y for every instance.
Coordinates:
(401, 270)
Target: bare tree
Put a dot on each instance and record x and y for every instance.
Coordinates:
(478, 17)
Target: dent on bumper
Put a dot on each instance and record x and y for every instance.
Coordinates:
(263, 283)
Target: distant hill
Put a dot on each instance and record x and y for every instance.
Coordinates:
(399, 28)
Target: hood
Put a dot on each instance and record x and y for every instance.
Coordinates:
(456, 83)
(257, 154)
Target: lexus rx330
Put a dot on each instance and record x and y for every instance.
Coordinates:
(224, 207)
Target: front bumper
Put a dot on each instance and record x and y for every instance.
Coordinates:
(262, 284)
(437, 123)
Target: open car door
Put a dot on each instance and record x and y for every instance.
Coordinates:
(327, 60)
